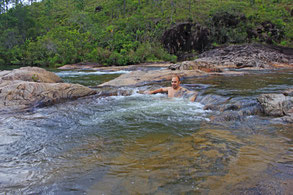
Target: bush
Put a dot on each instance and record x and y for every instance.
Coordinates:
(2, 62)
(116, 59)
(59, 46)
(99, 55)
(150, 52)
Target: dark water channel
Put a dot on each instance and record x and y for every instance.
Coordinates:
(149, 144)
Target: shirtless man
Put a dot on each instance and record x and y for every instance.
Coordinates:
(176, 90)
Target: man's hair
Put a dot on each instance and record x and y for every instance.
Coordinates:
(175, 75)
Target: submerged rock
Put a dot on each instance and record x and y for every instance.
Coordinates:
(228, 109)
(109, 91)
(33, 87)
(285, 119)
(212, 102)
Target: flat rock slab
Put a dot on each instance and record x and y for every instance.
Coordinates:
(113, 68)
(33, 74)
(24, 94)
(32, 87)
(137, 78)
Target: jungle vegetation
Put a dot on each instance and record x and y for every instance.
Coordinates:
(120, 32)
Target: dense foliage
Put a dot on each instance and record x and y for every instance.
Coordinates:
(120, 32)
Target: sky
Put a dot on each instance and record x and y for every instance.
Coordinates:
(25, 2)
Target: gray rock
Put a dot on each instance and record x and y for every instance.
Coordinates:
(228, 116)
(213, 102)
(284, 119)
(276, 104)
(174, 67)
(288, 92)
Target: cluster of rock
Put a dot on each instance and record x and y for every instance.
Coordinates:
(249, 55)
(240, 56)
(32, 86)
(201, 65)
(277, 106)
(227, 109)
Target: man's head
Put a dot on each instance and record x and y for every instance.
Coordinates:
(175, 82)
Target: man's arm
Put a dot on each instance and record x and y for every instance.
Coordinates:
(161, 90)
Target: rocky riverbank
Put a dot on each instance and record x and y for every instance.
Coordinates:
(254, 56)
(31, 87)
(224, 60)
(231, 60)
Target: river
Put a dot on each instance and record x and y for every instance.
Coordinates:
(149, 144)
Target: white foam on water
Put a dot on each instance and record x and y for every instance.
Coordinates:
(155, 108)
(81, 73)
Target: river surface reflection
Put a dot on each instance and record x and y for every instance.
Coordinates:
(148, 144)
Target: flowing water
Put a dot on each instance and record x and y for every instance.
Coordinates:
(149, 144)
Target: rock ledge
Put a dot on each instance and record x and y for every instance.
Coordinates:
(34, 87)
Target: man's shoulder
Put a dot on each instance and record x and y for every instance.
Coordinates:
(166, 89)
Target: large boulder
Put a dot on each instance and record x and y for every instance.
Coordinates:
(185, 37)
(33, 74)
(276, 104)
(30, 87)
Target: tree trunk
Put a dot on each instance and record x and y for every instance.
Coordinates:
(124, 7)
(189, 7)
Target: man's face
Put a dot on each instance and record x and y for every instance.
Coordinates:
(175, 82)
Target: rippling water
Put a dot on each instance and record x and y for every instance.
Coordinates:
(89, 78)
(148, 144)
